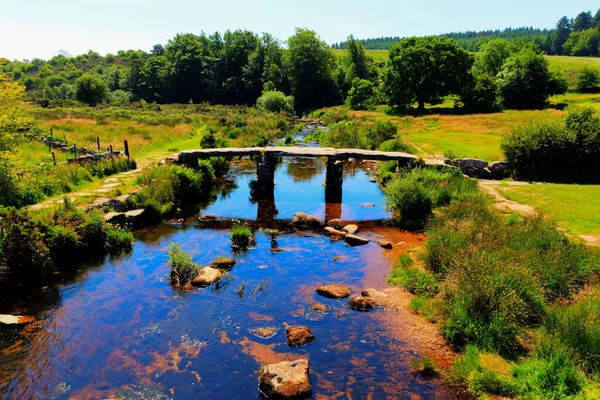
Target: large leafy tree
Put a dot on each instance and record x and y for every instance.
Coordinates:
(492, 54)
(310, 63)
(90, 89)
(238, 46)
(583, 21)
(525, 81)
(424, 69)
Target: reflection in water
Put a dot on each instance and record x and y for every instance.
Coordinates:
(119, 329)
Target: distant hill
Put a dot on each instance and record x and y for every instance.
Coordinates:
(470, 40)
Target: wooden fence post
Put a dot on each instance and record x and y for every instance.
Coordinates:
(126, 148)
(110, 148)
(54, 158)
(98, 140)
(75, 149)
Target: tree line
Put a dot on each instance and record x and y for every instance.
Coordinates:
(579, 36)
(302, 74)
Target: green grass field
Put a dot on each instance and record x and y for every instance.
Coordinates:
(574, 207)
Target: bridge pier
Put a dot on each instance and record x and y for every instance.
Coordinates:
(334, 180)
(263, 188)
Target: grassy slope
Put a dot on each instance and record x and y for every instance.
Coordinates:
(574, 207)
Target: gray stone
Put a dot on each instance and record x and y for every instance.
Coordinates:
(304, 220)
(335, 223)
(467, 163)
(354, 240)
(285, 380)
(207, 276)
(351, 228)
(330, 231)
(115, 218)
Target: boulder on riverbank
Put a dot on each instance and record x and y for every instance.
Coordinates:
(285, 380)
(385, 244)
(351, 228)
(135, 218)
(355, 240)
(334, 291)
(207, 276)
(303, 220)
(299, 336)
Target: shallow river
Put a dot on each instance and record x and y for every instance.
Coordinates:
(118, 329)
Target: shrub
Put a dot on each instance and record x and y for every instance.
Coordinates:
(481, 96)
(276, 101)
(118, 239)
(183, 270)
(240, 235)
(588, 80)
(566, 151)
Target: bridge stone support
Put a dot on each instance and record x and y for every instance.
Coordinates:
(264, 186)
(334, 180)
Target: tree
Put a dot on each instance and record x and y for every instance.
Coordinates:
(596, 21)
(424, 69)
(583, 43)
(588, 80)
(362, 67)
(90, 89)
(492, 54)
(583, 21)
(526, 83)
(481, 95)
(310, 64)
(560, 35)
(362, 94)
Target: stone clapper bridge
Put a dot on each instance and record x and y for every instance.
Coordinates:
(263, 187)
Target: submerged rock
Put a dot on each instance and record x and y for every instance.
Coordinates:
(285, 380)
(264, 333)
(367, 205)
(351, 228)
(320, 307)
(304, 220)
(354, 240)
(334, 291)
(361, 303)
(330, 231)
(207, 276)
(380, 298)
(299, 336)
(385, 244)
(221, 262)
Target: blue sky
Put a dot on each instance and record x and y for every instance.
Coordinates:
(39, 28)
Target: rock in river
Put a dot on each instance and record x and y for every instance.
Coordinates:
(306, 221)
(335, 223)
(320, 307)
(334, 291)
(330, 231)
(385, 244)
(299, 336)
(223, 263)
(361, 303)
(354, 240)
(207, 276)
(285, 380)
(264, 333)
(351, 228)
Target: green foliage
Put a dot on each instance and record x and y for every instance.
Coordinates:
(527, 72)
(240, 235)
(412, 195)
(183, 270)
(424, 70)
(584, 43)
(361, 95)
(276, 101)
(565, 151)
(118, 239)
(588, 80)
(491, 57)
(91, 89)
(311, 64)
(481, 95)
(417, 282)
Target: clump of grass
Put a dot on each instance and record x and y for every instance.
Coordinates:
(118, 239)
(417, 282)
(183, 269)
(240, 235)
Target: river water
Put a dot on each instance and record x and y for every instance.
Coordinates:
(117, 329)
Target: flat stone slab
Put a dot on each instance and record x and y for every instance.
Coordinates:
(339, 154)
(285, 380)
(334, 291)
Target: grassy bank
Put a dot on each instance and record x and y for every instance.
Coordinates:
(509, 292)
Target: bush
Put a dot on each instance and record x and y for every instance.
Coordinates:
(588, 80)
(183, 270)
(240, 235)
(566, 151)
(276, 101)
(118, 239)
(481, 96)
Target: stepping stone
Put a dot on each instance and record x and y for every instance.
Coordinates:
(334, 291)
(299, 336)
(361, 303)
(285, 380)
